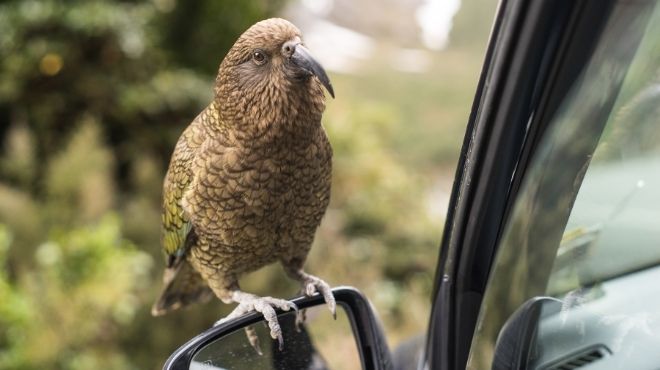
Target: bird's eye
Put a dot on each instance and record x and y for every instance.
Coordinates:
(259, 57)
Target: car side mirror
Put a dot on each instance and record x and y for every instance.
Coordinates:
(516, 342)
(354, 340)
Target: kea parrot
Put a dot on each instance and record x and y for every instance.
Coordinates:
(249, 179)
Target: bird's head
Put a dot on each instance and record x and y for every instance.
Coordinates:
(269, 68)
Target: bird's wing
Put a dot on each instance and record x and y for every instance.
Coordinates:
(214, 201)
(176, 225)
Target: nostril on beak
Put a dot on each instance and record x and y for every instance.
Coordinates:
(288, 48)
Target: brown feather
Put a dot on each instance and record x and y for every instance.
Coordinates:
(252, 172)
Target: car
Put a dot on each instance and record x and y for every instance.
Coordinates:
(550, 257)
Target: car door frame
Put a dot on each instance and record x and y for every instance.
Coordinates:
(536, 51)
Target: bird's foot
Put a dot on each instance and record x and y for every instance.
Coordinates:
(264, 305)
(310, 285)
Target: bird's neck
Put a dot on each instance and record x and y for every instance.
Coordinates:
(294, 118)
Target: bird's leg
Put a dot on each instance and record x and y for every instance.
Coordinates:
(266, 306)
(310, 285)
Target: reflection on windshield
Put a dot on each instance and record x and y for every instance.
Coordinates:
(614, 227)
(589, 209)
(617, 202)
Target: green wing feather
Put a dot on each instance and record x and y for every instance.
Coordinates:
(176, 225)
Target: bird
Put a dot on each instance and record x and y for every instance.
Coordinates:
(249, 179)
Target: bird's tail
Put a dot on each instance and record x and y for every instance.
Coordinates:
(183, 286)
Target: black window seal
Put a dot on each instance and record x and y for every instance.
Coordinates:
(536, 51)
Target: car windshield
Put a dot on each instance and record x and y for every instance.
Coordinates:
(614, 224)
(586, 221)
(616, 214)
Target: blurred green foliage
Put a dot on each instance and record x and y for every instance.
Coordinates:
(197, 46)
(63, 313)
(93, 96)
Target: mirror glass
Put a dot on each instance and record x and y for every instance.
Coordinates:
(322, 343)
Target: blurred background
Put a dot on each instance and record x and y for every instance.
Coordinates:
(93, 96)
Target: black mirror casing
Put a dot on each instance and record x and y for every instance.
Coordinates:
(515, 346)
(367, 330)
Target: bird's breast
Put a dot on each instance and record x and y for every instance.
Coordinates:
(274, 197)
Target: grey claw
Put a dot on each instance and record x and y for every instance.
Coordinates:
(280, 339)
(294, 306)
(300, 320)
(313, 285)
(253, 338)
(266, 306)
(332, 306)
(329, 299)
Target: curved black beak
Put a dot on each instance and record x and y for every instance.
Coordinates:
(306, 62)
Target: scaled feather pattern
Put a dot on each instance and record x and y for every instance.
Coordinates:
(249, 180)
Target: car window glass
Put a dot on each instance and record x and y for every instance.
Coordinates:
(585, 228)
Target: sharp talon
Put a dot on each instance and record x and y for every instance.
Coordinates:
(253, 338)
(280, 339)
(332, 306)
(300, 319)
(329, 299)
(266, 307)
(311, 289)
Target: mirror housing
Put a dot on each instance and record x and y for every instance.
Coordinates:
(367, 330)
(516, 342)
